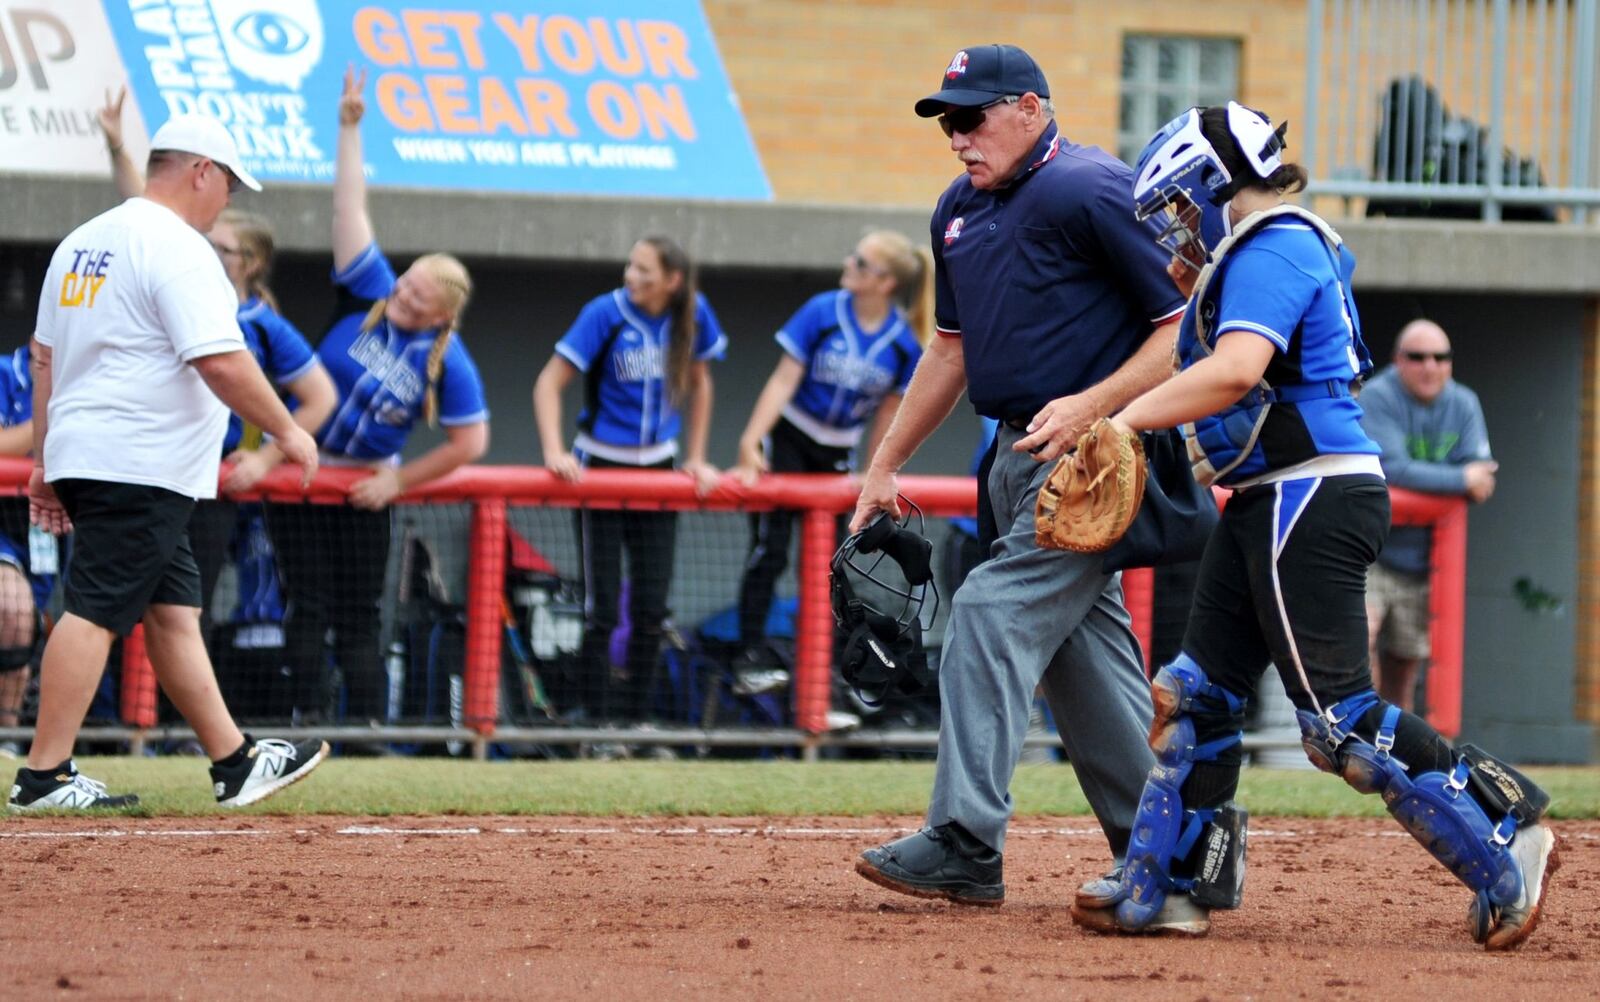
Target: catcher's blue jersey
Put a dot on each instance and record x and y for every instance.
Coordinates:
(1281, 284)
(381, 374)
(623, 351)
(848, 370)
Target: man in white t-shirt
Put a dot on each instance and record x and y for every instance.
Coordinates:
(137, 357)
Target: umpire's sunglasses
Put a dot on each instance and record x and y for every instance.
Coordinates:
(965, 120)
(1422, 356)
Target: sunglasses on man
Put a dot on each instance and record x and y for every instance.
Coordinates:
(1422, 356)
(967, 120)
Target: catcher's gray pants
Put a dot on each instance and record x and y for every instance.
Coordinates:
(1024, 614)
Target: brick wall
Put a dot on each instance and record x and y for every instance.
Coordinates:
(827, 85)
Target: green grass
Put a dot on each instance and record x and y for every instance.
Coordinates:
(179, 787)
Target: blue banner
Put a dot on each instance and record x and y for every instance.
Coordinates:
(614, 97)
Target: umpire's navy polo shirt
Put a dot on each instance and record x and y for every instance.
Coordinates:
(1050, 282)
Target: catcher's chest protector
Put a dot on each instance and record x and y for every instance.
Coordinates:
(1224, 447)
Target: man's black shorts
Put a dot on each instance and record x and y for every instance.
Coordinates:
(130, 550)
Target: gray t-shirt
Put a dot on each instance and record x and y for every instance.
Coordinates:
(1425, 447)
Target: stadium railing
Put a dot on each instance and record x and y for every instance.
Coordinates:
(488, 492)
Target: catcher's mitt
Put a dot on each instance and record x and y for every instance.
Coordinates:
(1091, 497)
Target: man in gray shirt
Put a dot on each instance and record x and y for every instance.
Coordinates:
(1433, 437)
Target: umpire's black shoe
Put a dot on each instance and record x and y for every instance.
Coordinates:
(943, 862)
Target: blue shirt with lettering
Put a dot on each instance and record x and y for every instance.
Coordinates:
(1049, 280)
(849, 370)
(623, 353)
(381, 374)
(279, 348)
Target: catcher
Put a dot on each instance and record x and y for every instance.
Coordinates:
(1270, 348)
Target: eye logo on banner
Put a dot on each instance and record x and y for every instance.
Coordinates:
(274, 41)
(623, 97)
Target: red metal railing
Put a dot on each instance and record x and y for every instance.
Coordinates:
(490, 489)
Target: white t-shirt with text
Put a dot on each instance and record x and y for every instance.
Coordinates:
(131, 298)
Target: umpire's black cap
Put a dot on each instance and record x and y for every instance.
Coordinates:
(982, 74)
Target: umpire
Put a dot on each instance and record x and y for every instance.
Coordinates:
(1053, 308)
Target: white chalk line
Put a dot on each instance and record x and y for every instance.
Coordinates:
(721, 831)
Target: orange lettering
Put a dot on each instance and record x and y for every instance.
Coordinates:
(623, 65)
(567, 45)
(523, 35)
(667, 48)
(545, 103)
(71, 290)
(664, 107)
(429, 42)
(402, 103)
(378, 35)
(448, 101)
(497, 108)
(612, 108)
(466, 23)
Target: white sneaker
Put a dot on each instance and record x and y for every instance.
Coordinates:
(1534, 848)
(268, 766)
(68, 789)
(1179, 916)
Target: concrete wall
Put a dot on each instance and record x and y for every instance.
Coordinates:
(1522, 355)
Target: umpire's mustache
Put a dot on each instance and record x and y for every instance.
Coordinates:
(971, 157)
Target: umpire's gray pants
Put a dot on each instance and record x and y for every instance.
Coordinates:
(1024, 614)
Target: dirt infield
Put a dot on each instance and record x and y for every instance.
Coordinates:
(346, 908)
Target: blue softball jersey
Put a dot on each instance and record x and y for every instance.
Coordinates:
(16, 389)
(849, 370)
(16, 407)
(628, 415)
(1284, 284)
(281, 350)
(381, 374)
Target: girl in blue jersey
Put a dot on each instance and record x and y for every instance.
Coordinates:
(644, 351)
(847, 358)
(394, 356)
(23, 589)
(1270, 349)
(244, 242)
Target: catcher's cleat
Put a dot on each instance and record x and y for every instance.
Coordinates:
(1178, 916)
(1101, 892)
(1537, 854)
(934, 863)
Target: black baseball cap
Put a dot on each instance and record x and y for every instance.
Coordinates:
(982, 74)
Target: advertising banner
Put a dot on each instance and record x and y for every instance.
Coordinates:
(57, 60)
(614, 97)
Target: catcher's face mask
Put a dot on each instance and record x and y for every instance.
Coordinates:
(1183, 183)
(883, 650)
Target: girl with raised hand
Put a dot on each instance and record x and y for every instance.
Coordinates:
(395, 355)
(244, 242)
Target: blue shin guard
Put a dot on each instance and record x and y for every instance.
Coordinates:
(1164, 832)
(1434, 806)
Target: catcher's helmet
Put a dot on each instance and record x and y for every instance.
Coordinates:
(1181, 177)
(883, 651)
